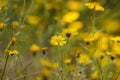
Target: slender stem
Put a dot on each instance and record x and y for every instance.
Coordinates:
(61, 63)
(99, 68)
(4, 69)
(6, 56)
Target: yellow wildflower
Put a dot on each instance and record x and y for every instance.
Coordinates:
(15, 24)
(98, 54)
(48, 64)
(12, 52)
(44, 49)
(95, 75)
(103, 43)
(34, 48)
(45, 73)
(69, 32)
(77, 25)
(117, 38)
(105, 61)
(14, 40)
(33, 19)
(58, 40)
(70, 17)
(83, 58)
(116, 48)
(76, 5)
(112, 25)
(2, 25)
(67, 61)
(94, 5)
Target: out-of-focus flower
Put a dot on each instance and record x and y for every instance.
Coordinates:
(44, 49)
(45, 73)
(98, 54)
(76, 5)
(12, 52)
(34, 48)
(94, 5)
(116, 48)
(117, 38)
(70, 17)
(67, 61)
(69, 32)
(76, 25)
(83, 59)
(112, 25)
(103, 43)
(15, 24)
(105, 61)
(58, 40)
(111, 54)
(95, 75)
(14, 40)
(49, 65)
(33, 19)
(2, 25)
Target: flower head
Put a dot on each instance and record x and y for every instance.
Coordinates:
(58, 40)
(94, 5)
(34, 48)
(12, 52)
(70, 17)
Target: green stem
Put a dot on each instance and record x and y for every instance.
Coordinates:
(6, 56)
(4, 69)
(100, 71)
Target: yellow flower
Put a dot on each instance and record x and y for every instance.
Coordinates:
(45, 73)
(76, 5)
(44, 49)
(112, 25)
(14, 40)
(12, 52)
(33, 19)
(116, 48)
(2, 25)
(49, 65)
(98, 54)
(103, 43)
(77, 25)
(15, 24)
(105, 61)
(83, 59)
(67, 61)
(117, 38)
(94, 5)
(95, 75)
(58, 40)
(34, 48)
(69, 32)
(70, 17)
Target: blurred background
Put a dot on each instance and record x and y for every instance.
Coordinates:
(34, 22)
